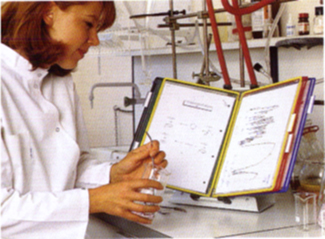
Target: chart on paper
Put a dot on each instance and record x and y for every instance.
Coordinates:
(190, 123)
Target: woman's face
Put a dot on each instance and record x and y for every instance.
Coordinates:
(76, 28)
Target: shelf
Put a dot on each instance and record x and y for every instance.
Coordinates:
(226, 46)
(299, 43)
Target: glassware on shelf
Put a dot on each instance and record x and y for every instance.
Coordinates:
(318, 21)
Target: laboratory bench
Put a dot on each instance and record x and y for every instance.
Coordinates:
(201, 222)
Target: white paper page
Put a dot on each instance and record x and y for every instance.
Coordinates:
(257, 139)
(190, 124)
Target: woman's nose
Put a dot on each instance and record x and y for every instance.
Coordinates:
(93, 38)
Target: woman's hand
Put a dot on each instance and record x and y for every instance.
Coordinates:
(132, 166)
(120, 199)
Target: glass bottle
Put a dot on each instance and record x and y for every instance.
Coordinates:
(303, 24)
(318, 21)
(261, 20)
(312, 171)
(290, 27)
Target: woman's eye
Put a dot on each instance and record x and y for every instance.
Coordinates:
(89, 24)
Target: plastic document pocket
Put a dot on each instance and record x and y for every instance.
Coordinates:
(225, 143)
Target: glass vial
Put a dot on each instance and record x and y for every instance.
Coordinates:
(290, 27)
(303, 24)
(318, 21)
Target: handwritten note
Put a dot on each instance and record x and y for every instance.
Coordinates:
(257, 140)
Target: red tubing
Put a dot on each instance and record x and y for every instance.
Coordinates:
(218, 45)
(238, 12)
(244, 10)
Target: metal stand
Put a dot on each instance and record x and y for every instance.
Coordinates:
(243, 203)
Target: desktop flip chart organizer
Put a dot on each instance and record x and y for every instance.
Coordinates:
(225, 143)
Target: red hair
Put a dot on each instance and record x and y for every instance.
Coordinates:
(23, 29)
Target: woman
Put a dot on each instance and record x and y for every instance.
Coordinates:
(50, 183)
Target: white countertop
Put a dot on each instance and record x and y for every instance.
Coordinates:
(200, 222)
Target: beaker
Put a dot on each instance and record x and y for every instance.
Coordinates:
(305, 210)
(312, 171)
(157, 173)
(311, 175)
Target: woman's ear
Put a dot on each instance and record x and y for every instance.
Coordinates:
(48, 16)
(48, 19)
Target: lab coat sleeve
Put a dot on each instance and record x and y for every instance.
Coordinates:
(36, 214)
(91, 171)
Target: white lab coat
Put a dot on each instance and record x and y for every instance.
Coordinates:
(45, 164)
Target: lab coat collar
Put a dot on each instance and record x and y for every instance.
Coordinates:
(16, 61)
